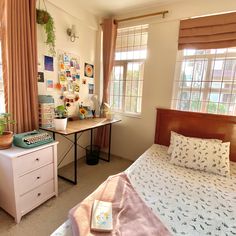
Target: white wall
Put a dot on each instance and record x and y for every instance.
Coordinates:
(133, 136)
(66, 13)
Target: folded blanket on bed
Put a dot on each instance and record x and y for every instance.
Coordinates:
(131, 216)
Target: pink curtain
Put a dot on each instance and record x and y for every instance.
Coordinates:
(19, 47)
(109, 43)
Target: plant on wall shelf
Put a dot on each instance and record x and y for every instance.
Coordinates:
(45, 19)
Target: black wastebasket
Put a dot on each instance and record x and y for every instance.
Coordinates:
(92, 154)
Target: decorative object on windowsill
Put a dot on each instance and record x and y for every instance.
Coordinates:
(104, 108)
(45, 19)
(95, 104)
(108, 112)
(6, 137)
(60, 119)
(71, 32)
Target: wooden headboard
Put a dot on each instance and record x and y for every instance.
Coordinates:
(195, 124)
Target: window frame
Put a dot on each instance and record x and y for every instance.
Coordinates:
(124, 63)
(208, 59)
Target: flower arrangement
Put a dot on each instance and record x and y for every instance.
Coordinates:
(82, 111)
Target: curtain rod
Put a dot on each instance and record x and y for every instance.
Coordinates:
(163, 13)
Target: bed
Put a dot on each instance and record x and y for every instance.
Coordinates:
(188, 202)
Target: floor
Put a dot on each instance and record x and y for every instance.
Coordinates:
(46, 218)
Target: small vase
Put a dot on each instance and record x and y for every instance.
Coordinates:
(81, 116)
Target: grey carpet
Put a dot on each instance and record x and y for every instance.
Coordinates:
(46, 218)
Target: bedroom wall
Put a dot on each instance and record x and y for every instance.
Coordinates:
(66, 13)
(133, 136)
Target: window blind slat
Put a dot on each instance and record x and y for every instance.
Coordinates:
(208, 30)
(218, 31)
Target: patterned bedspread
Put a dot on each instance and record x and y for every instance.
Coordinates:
(188, 202)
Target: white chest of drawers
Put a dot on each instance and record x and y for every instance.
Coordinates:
(28, 177)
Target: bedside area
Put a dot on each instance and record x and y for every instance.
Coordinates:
(28, 177)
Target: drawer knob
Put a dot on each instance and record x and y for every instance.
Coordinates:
(38, 177)
(37, 159)
(39, 194)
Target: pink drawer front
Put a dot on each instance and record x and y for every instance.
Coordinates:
(37, 196)
(34, 160)
(34, 179)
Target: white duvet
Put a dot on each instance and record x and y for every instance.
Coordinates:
(188, 202)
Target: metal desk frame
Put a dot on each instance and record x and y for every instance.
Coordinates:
(75, 143)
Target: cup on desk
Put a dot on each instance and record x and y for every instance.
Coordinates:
(110, 115)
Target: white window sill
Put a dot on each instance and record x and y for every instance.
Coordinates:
(132, 115)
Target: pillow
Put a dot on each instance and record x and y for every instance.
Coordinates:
(201, 154)
(174, 134)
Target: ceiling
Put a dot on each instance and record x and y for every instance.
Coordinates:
(118, 7)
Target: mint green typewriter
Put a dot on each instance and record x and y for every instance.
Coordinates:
(32, 139)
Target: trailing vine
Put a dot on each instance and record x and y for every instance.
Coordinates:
(45, 19)
(51, 37)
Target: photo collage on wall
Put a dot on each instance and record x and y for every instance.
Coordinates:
(69, 71)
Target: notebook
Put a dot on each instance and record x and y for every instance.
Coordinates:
(101, 219)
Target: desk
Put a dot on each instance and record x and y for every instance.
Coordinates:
(79, 126)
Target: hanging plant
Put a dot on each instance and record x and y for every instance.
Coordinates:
(45, 19)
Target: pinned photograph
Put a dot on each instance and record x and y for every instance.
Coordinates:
(48, 63)
(88, 70)
(49, 84)
(68, 74)
(40, 77)
(91, 88)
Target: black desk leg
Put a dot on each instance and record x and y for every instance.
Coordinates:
(54, 136)
(91, 138)
(75, 159)
(75, 162)
(109, 148)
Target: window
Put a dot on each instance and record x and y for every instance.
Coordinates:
(205, 81)
(126, 85)
(2, 106)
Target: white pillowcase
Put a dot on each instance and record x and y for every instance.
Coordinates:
(201, 154)
(174, 134)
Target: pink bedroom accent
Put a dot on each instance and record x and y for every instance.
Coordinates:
(130, 214)
(19, 44)
(109, 42)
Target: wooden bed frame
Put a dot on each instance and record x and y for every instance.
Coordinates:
(195, 124)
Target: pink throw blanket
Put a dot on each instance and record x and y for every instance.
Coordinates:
(131, 216)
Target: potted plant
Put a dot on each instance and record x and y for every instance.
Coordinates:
(6, 137)
(60, 119)
(45, 19)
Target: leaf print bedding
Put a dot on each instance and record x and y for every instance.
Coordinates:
(189, 202)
